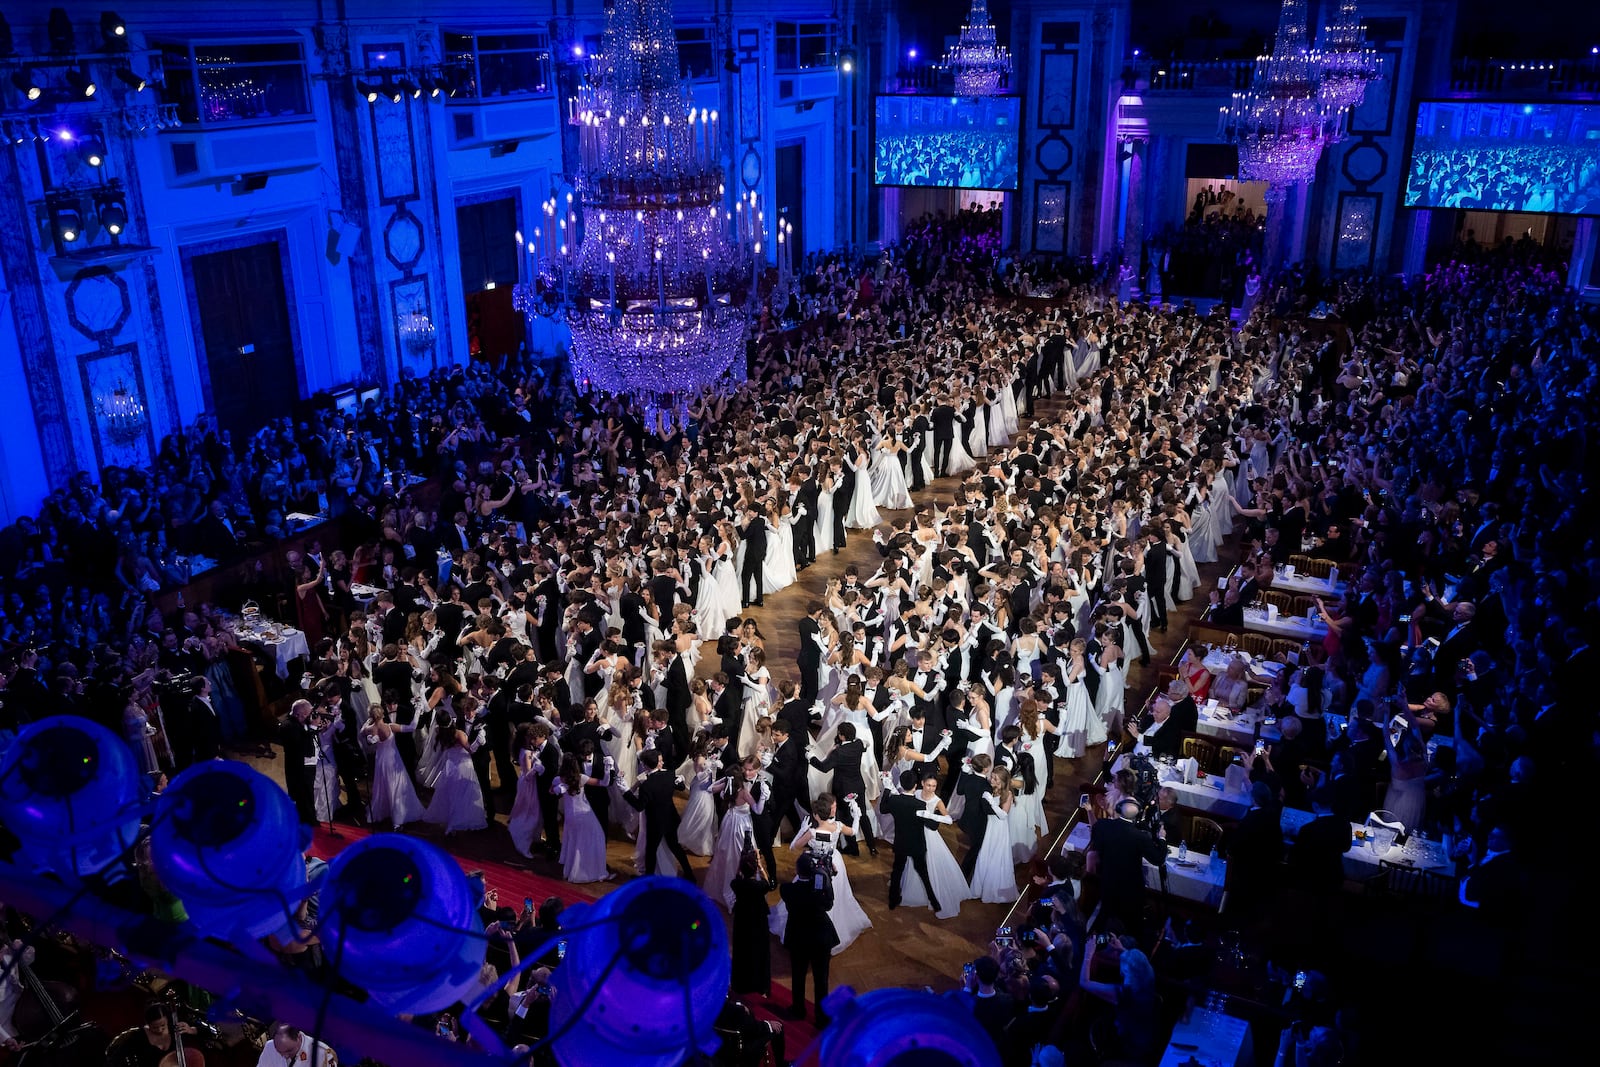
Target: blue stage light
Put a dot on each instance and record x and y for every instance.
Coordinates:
(69, 791)
(399, 919)
(645, 974)
(227, 842)
(899, 1028)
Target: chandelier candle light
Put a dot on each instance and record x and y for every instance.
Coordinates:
(1282, 123)
(642, 258)
(977, 61)
(123, 413)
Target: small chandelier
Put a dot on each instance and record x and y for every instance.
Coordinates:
(1281, 123)
(1349, 62)
(123, 413)
(417, 332)
(977, 61)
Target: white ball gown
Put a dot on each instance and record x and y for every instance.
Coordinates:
(994, 878)
(697, 830)
(777, 568)
(526, 821)
(888, 480)
(457, 802)
(725, 857)
(583, 843)
(394, 799)
(1074, 728)
(863, 515)
(822, 536)
(949, 884)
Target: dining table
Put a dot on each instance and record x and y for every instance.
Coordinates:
(284, 643)
(1209, 794)
(1294, 626)
(1367, 849)
(1209, 1039)
(1195, 877)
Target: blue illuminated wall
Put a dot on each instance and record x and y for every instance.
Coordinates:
(359, 198)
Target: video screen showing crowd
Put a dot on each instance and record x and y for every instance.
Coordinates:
(1506, 157)
(947, 141)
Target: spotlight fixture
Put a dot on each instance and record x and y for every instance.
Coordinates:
(68, 787)
(847, 62)
(59, 30)
(368, 90)
(133, 81)
(111, 25)
(81, 83)
(391, 90)
(27, 84)
(111, 208)
(911, 53)
(431, 86)
(410, 87)
(92, 151)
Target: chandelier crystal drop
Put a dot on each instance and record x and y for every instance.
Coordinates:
(978, 63)
(1281, 123)
(1348, 61)
(641, 256)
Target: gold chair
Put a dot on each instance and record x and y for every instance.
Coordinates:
(1284, 646)
(1301, 564)
(1256, 644)
(1200, 750)
(1226, 754)
(1204, 834)
(1300, 606)
(1318, 568)
(1413, 883)
(1284, 601)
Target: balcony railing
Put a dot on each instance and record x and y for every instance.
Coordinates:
(1539, 76)
(1185, 75)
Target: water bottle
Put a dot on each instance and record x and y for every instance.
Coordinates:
(1213, 854)
(1183, 851)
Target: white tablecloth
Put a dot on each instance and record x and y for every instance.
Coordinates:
(1200, 881)
(1211, 1039)
(1284, 626)
(1361, 862)
(286, 646)
(1202, 795)
(1305, 585)
(1238, 729)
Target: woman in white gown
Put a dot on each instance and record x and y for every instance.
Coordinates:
(863, 515)
(583, 842)
(888, 478)
(777, 569)
(394, 799)
(998, 435)
(756, 702)
(457, 802)
(822, 536)
(977, 435)
(697, 830)
(960, 461)
(1073, 741)
(710, 616)
(736, 824)
(726, 573)
(994, 878)
(949, 884)
(820, 835)
(526, 821)
(1108, 702)
(325, 787)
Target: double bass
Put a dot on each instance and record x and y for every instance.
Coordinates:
(52, 1037)
(180, 1056)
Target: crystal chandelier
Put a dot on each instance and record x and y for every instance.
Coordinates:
(978, 63)
(1281, 124)
(1347, 60)
(642, 259)
(123, 413)
(417, 331)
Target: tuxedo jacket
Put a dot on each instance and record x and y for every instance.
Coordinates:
(652, 795)
(810, 928)
(903, 808)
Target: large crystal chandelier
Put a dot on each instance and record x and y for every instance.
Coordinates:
(123, 413)
(649, 269)
(1281, 124)
(978, 63)
(1347, 60)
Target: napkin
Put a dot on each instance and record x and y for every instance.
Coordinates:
(1288, 570)
(1272, 612)
(1189, 770)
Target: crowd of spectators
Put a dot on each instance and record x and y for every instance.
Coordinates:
(1213, 254)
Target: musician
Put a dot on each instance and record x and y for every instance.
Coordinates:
(11, 987)
(288, 1047)
(151, 1043)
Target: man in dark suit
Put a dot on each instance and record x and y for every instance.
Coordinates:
(809, 935)
(806, 496)
(944, 436)
(844, 487)
(1118, 851)
(1254, 850)
(475, 725)
(788, 770)
(550, 757)
(215, 535)
(973, 785)
(810, 656)
(910, 843)
(652, 795)
(754, 535)
(1156, 560)
(1316, 859)
(1162, 737)
(300, 760)
(679, 698)
(845, 763)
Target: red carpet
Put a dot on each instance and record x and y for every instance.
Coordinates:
(514, 877)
